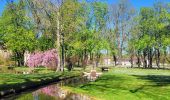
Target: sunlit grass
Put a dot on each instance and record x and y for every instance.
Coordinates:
(129, 84)
(14, 81)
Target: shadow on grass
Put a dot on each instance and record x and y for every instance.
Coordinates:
(162, 68)
(136, 89)
(158, 80)
(115, 83)
(21, 82)
(105, 83)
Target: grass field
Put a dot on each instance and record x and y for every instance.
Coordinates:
(15, 81)
(128, 84)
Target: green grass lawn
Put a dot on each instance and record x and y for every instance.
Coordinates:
(128, 84)
(14, 81)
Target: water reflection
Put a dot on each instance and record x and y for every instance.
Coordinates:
(55, 92)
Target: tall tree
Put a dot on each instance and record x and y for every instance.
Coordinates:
(121, 15)
(16, 30)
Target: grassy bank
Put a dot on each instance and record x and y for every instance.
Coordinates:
(10, 83)
(128, 84)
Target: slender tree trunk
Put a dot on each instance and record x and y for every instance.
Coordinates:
(20, 58)
(58, 42)
(62, 43)
(114, 59)
(150, 58)
(90, 56)
(85, 59)
(157, 58)
(164, 58)
(82, 59)
(118, 42)
(62, 54)
(70, 64)
(123, 38)
(97, 59)
(131, 60)
(138, 59)
(144, 59)
(79, 62)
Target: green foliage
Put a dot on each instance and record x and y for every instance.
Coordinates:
(83, 37)
(150, 28)
(15, 28)
(82, 28)
(45, 43)
(100, 14)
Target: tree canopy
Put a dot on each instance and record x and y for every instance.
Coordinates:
(80, 30)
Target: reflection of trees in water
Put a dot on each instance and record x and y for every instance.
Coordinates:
(58, 93)
(35, 95)
(54, 91)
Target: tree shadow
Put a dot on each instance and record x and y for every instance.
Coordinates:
(156, 68)
(154, 81)
(27, 84)
(105, 83)
(136, 89)
(158, 80)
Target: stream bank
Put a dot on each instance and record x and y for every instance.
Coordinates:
(27, 82)
(55, 91)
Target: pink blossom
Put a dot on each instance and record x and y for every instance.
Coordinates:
(47, 59)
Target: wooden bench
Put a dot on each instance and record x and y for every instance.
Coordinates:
(105, 69)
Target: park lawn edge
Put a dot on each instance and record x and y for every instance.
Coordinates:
(23, 86)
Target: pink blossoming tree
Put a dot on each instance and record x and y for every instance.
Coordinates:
(47, 59)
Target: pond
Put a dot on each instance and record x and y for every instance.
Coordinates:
(53, 91)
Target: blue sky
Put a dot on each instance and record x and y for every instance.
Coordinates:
(2, 5)
(136, 3)
(140, 3)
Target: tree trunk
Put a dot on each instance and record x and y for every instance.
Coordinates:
(97, 59)
(85, 59)
(70, 64)
(82, 59)
(165, 58)
(79, 62)
(157, 58)
(20, 58)
(144, 59)
(150, 58)
(91, 56)
(131, 60)
(62, 54)
(138, 59)
(115, 59)
(58, 42)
